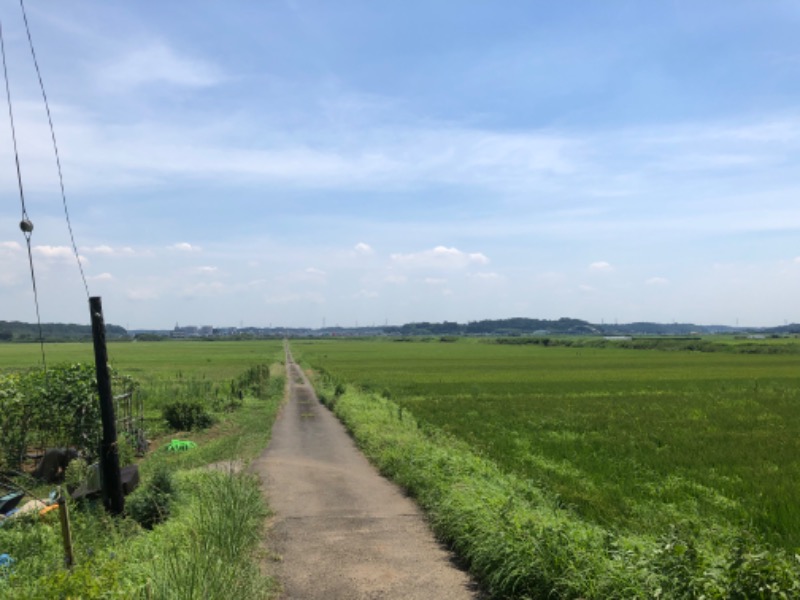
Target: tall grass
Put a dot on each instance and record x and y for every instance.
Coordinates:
(205, 550)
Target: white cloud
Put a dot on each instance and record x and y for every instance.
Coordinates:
(585, 288)
(601, 266)
(10, 246)
(363, 249)
(366, 294)
(185, 247)
(207, 270)
(157, 63)
(440, 257)
(57, 253)
(435, 281)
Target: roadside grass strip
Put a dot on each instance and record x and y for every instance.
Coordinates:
(519, 541)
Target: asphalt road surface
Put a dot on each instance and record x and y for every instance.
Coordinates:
(340, 530)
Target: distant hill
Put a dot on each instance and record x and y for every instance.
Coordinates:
(15, 331)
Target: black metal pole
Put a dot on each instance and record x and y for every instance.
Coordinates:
(111, 480)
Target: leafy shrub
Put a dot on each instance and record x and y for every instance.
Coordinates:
(57, 409)
(185, 415)
(150, 504)
(15, 414)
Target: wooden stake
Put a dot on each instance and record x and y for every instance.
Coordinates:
(66, 534)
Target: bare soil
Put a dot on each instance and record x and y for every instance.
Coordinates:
(340, 530)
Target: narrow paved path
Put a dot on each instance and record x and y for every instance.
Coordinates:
(340, 529)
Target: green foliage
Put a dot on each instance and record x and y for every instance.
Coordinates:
(54, 332)
(15, 414)
(186, 415)
(56, 408)
(150, 504)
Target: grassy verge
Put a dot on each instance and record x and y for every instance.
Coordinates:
(206, 549)
(519, 540)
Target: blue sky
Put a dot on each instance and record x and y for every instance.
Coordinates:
(290, 162)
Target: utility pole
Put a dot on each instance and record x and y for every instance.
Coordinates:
(111, 479)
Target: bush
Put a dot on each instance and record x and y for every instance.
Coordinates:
(185, 415)
(150, 504)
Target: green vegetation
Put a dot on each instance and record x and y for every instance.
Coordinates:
(58, 409)
(14, 331)
(594, 472)
(206, 548)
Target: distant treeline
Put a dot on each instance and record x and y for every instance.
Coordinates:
(691, 344)
(565, 326)
(15, 331)
(515, 326)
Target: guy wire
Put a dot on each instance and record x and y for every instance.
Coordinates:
(55, 147)
(27, 227)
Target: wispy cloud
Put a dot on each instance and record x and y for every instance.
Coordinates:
(156, 63)
(440, 257)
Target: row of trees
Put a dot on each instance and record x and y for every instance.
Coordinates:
(15, 331)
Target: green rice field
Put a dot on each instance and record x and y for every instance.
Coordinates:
(636, 441)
